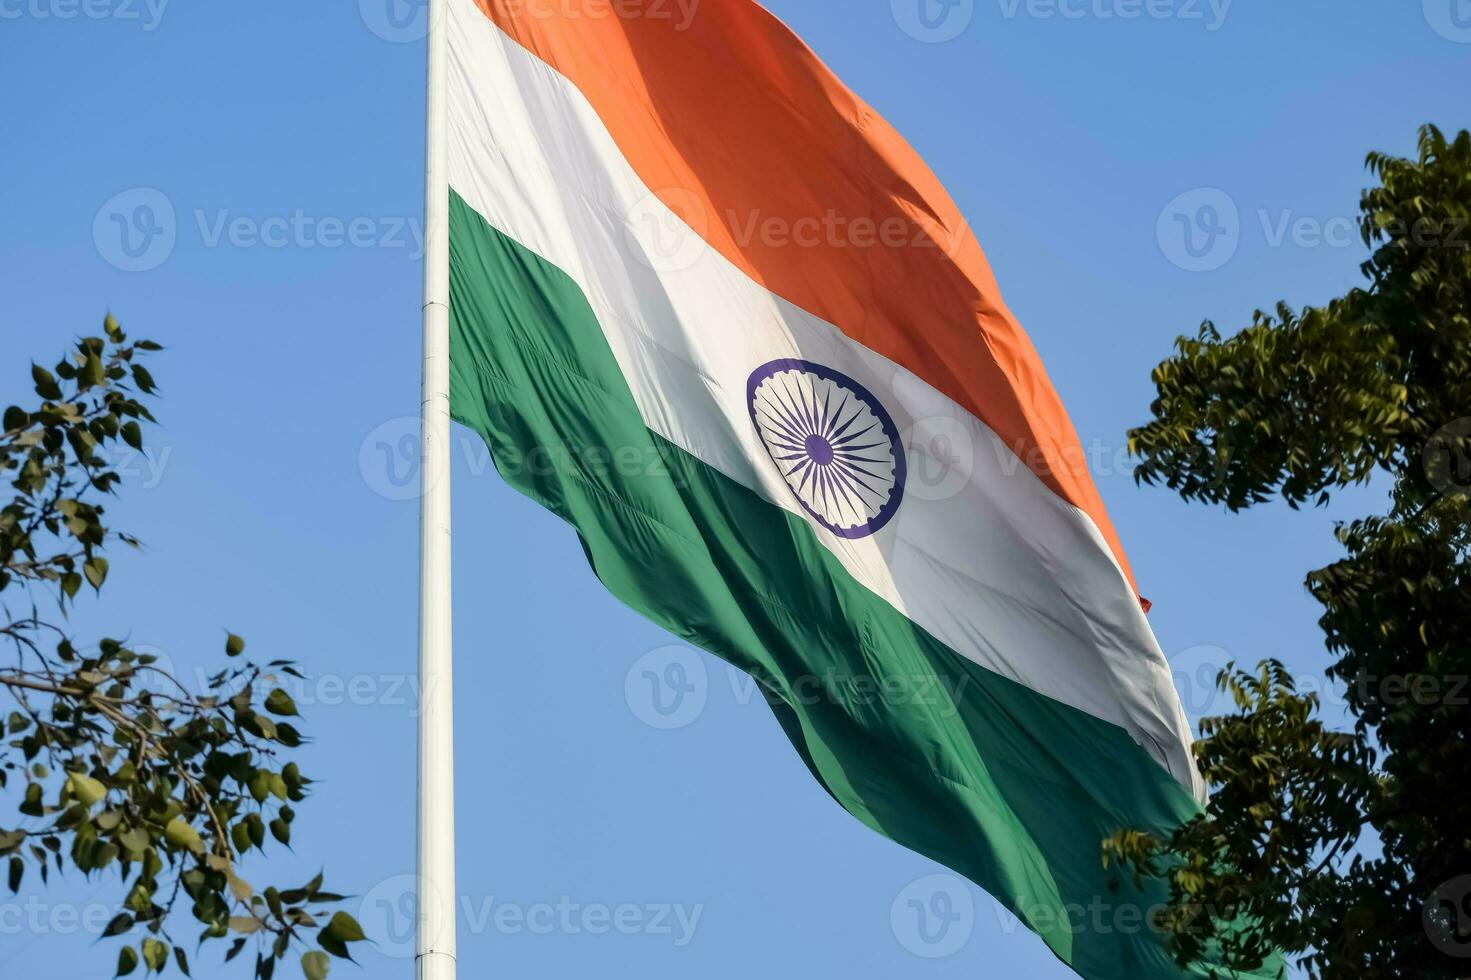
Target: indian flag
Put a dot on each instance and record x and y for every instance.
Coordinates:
(713, 311)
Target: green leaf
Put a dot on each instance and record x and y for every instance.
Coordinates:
(240, 837)
(234, 646)
(140, 898)
(85, 789)
(133, 435)
(93, 372)
(120, 924)
(105, 855)
(17, 872)
(135, 839)
(96, 572)
(143, 379)
(46, 385)
(334, 946)
(127, 961)
(155, 955)
(315, 965)
(278, 702)
(257, 828)
(181, 834)
(344, 928)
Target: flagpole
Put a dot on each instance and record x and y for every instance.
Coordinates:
(435, 948)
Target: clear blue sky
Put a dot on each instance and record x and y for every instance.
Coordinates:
(1068, 131)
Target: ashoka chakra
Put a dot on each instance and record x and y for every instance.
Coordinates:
(836, 445)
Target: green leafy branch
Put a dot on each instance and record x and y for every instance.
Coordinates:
(119, 767)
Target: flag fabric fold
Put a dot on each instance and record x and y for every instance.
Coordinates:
(714, 312)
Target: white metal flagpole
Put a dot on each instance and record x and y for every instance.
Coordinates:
(435, 948)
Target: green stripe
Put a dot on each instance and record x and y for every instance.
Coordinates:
(1010, 788)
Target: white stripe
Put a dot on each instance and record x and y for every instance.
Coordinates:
(982, 555)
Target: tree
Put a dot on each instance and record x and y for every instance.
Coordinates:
(1348, 850)
(119, 767)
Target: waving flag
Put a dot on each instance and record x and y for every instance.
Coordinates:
(712, 310)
